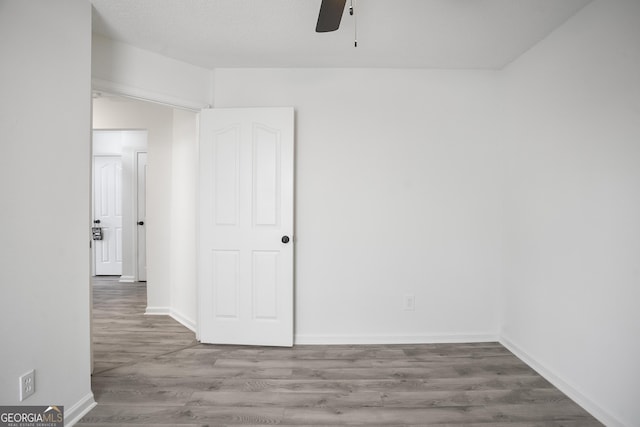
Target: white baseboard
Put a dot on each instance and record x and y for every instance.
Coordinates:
(312, 339)
(562, 385)
(158, 311)
(183, 320)
(174, 314)
(127, 279)
(73, 414)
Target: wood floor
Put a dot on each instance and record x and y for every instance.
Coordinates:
(149, 370)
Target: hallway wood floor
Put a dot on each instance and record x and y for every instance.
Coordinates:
(149, 370)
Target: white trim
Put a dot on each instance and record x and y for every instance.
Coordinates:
(158, 311)
(174, 314)
(145, 95)
(314, 339)
(127, 279)
(183, 320)
(198, 252)
(79, 410)
(564, 386)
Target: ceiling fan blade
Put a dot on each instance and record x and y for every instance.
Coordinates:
(330, 15)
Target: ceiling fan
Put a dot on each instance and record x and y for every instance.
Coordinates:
(330, 15)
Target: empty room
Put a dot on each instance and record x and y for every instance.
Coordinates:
(371, 212)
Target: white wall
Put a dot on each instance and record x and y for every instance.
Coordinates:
(44, 187)
(116, 113)
(124, 143)
(572, 242)
(123, 69)
(115, 142)
(397, 192)
(184, 180)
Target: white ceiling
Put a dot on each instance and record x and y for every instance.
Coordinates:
(484, 34)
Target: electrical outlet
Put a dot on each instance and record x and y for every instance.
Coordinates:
(27, 384)
(409, 303)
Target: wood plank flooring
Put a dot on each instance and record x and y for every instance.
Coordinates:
(149, 370)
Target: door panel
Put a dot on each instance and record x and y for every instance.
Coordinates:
(266, 182)
(226, 283)
(246, 206)
(226, 158)
(265, 285)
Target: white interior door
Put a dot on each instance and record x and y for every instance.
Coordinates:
(245, 259)
(107, 214)
(141, 208)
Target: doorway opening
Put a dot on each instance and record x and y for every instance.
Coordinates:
(119, 204)
(157, 148)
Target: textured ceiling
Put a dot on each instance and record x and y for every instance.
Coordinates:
(483, 34)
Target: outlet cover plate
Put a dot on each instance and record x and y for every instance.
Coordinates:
(27, 384)
(409, 302)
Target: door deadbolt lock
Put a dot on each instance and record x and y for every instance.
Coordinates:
(285, 239)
